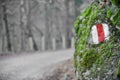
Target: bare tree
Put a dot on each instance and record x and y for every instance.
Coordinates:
(32, 43)
(6, 28)
(47, 25)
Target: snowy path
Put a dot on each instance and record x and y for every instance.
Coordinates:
(32, 66)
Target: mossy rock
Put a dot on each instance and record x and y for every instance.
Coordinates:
(118, 70)
(102, 61)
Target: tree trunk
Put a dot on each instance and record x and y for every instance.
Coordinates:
(23, 23)
(32, 43)
(47, 25)
(9, 46)
(1, 29)
(67, 25)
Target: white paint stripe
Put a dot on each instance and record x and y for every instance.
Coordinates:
(106, 31)
(94, 35)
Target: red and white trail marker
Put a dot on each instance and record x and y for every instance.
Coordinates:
(100, 33)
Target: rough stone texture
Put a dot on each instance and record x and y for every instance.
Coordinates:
(106, 71)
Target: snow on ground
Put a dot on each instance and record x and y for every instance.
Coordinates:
(31, 66)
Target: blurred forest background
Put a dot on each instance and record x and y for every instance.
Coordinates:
(38, 25)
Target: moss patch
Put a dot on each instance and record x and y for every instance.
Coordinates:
(118, 70)
(89, 58)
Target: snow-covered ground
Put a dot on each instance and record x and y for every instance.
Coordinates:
(31, 66)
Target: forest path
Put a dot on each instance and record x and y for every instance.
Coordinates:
(31, 66)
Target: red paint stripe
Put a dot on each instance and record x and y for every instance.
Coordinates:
(100, 30)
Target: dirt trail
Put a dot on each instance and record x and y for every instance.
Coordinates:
(31, 66)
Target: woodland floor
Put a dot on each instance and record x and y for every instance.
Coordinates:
(62, 71)
(38, 66)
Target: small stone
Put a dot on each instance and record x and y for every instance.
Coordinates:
(81, 17)
(98, 69)
(87, 73)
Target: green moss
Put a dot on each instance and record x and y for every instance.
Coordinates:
(118, 69)
(89, 58)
